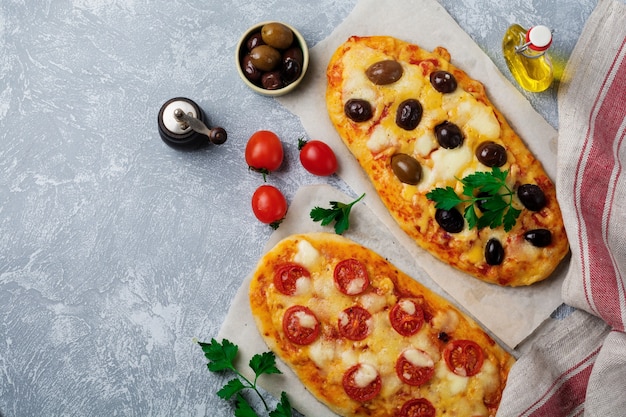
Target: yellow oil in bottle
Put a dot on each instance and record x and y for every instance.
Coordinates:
(531, 68)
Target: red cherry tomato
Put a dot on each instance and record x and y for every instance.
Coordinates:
(405, 322)
(351, 277)
(412, 374)
(354, 323)
(269, 205)
(264, 152)
(464, 357)
(286, 276)
(417, 407)
(357, 392)
(317, 157)
(295, 330)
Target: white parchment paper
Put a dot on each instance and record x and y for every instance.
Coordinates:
(511, 314)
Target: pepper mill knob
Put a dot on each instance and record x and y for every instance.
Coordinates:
(182, 125)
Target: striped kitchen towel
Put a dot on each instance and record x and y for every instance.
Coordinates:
(577, 366)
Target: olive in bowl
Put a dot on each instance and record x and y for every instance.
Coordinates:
(272, 58)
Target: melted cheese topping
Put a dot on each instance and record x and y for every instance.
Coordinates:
(365, 375)
(306, 320)
(418, 358)
(380, 139)
(321, 353)
(407, 306)
(324, 288)
(306, 255)
(476, 119)
(425, 144)
(343, 319)
(445, 321)
(355, 286)
(373, 302)
(445, 166)
(303, 285)
(454, 384)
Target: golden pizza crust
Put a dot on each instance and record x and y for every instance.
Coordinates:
(322, 364)
(524, 264)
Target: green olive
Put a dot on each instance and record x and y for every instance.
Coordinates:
(277, 35)
(264, 57)
(406, 168)
(384, 72)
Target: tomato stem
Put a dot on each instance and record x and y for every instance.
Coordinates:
(301, 143)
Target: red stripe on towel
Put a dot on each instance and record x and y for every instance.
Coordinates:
(602, 281)
(566, 393)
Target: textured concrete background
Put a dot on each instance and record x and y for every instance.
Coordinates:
(115, 250)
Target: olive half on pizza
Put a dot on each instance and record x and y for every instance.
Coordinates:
(444, 161)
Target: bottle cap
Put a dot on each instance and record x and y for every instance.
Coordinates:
(539, 38)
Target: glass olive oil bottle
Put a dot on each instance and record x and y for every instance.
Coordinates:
(525, 54)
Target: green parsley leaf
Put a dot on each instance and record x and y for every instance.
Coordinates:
(488, 182)
(511, 217)
(471, 216)
(220, 356)
(338, 212)
(478, 179)
(496, 199)
(231, 388)
(243, 409)
(445, 198)
(495, 203)
(322, 215)
(264, 363)
(491, 219)
(283, 408)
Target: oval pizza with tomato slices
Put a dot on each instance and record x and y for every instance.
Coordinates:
(368, 340)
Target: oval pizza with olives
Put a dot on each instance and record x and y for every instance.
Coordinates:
(368, 340)
(444, 160)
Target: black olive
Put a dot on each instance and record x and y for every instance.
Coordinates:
(254, 40)
(294, 53)
(250, 71)
(409, 114)
(443, 336)
(450, 220)
(292, 64)
(531, 196)
(449, 135)
(494, 252)
(358, 110)
(384, 72)
(539, 237)
(491, 154)
(443, 81)
(406, 168)
(482, 199)
(291, 71)
(272, 80)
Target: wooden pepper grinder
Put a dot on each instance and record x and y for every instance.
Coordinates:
(183, 125)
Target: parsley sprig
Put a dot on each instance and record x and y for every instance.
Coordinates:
(221, 357)
(484, 189)
(338, 212)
